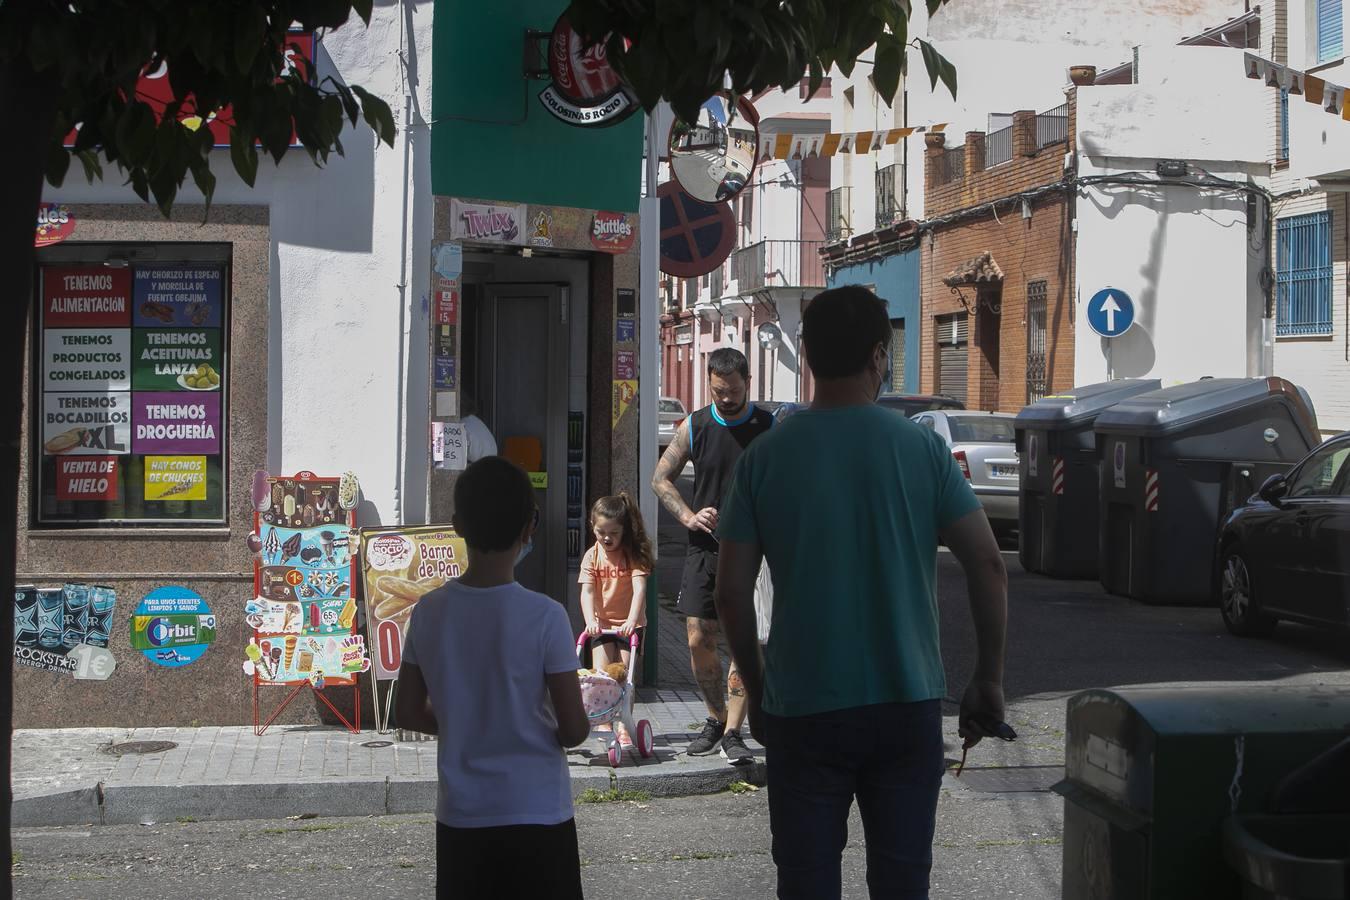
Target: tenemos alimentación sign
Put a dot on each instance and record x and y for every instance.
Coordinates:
(585, 90)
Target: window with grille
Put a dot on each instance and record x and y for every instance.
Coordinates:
(1330, 37)
(1037, 363)
(898, 356)
(1303, 275)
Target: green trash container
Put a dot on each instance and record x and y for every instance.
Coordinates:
(1151, 774)
(1290, 857)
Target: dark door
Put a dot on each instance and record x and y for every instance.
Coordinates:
(523, 388)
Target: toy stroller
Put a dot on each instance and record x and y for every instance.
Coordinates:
(605, 704)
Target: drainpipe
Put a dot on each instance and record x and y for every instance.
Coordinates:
(404, 313)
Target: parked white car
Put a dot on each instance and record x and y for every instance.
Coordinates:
(982, 443)
(670, 413)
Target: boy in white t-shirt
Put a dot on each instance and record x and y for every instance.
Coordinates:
(490, 668)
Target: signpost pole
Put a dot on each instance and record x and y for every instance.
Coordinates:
(649, 368)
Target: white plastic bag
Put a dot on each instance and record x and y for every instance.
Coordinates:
(764, 602)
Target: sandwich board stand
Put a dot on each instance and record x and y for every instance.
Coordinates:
(303, 611)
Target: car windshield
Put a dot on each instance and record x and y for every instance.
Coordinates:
(671, 406)
(981, 429)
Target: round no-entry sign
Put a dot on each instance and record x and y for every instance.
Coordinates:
(696, 237)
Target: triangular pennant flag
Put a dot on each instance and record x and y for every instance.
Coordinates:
(1253, 65)
(1334, 97)
(797, 150)
(830, 146)
(1295, 82)
(937, 129)
(766, 148)
(897, 134)
(1313, 88)
(783, 146)
(815, 148)
(877, 138)
(846, 144)
(863, 142)
(1274, 74)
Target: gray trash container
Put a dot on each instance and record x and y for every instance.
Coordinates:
(1057, 510)
(1151, 775)
(1284, 857)
(1174, 462)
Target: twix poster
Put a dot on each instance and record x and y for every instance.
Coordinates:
(399, 566)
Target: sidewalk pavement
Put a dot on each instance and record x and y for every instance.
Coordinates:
(69, 776)
(73, 776)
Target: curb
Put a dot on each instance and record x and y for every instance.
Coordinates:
(132, 804)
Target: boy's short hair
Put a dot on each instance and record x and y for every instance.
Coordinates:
(494, 501)
(841, 328)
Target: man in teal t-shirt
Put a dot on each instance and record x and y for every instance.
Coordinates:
(847, 501)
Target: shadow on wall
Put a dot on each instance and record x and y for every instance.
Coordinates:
(331, 208)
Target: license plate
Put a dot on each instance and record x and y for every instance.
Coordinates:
(1004, 471)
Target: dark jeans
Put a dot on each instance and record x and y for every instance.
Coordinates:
(536, 861)
(889, 756)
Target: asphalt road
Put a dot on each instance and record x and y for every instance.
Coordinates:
(680, 849)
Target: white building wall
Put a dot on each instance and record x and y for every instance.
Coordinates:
(1015, 54)
(347, 346)
(1187, 257)
(1319, 145)
(854, 106)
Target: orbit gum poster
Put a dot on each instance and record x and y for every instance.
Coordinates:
(399, 566)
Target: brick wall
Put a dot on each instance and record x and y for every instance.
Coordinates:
(1037, 249)
(1027, 250)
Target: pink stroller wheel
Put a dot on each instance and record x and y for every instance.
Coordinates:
(644, 739)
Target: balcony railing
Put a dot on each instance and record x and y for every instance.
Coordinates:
(1052, 126)
(837, 212)
(717, 285)
(890, 200)
(952, 165)
(998, 147)
(779, 264)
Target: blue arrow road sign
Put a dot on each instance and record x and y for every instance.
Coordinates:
(1110, 312)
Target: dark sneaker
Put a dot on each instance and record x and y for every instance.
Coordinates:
(734, 750)
(708, 739)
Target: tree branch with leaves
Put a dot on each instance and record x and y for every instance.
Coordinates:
(682, 52)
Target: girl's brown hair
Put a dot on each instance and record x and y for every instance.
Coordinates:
(624, 510)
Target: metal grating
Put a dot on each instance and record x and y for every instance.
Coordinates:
(1303, 274)
(890, 208)
(837, 203)
(952, 165)
(1052, 126)
(898, 355)
(1037, 351)
(998, 147)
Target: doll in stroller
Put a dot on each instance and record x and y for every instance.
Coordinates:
(610, 702)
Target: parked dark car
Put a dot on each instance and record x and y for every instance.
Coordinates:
(1286, 553)
(913, 404)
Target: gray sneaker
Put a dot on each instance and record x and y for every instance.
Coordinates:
(708, 739)
(734, 750)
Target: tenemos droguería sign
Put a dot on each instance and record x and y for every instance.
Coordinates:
(585, 90)
(491, 222)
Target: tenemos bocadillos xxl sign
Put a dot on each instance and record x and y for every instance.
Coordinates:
(585, 91)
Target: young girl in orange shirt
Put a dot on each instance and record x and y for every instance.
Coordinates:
(614, 574)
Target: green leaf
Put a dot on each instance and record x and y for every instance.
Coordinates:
(932, 62)
(934, 6)
(250, 27)
(206, 183)
(886, 72)
(363, 8)
(244, 154)
(92, 167)
(377, 114)
(56, 164)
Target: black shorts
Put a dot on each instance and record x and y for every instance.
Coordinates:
(697, 583)
(472, 863)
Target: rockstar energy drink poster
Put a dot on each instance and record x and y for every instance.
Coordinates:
(399, 566)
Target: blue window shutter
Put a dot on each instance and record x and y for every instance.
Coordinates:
(1303, 275)
(1284, 125)
(1329, 30)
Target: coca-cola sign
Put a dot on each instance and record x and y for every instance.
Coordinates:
(585, 90)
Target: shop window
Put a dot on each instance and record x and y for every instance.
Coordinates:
(130, 375)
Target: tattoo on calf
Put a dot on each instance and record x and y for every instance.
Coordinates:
(735, 687)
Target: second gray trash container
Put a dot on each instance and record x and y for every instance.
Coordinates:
(1057, 511)
(1174, 462)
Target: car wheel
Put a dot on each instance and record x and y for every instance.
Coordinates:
(1237, 600)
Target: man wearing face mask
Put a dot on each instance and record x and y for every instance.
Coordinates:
(713, 438)
(847, 501)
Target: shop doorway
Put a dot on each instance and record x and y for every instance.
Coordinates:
(516, 363)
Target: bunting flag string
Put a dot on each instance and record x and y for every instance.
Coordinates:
(787, 145)
(1331, 97)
